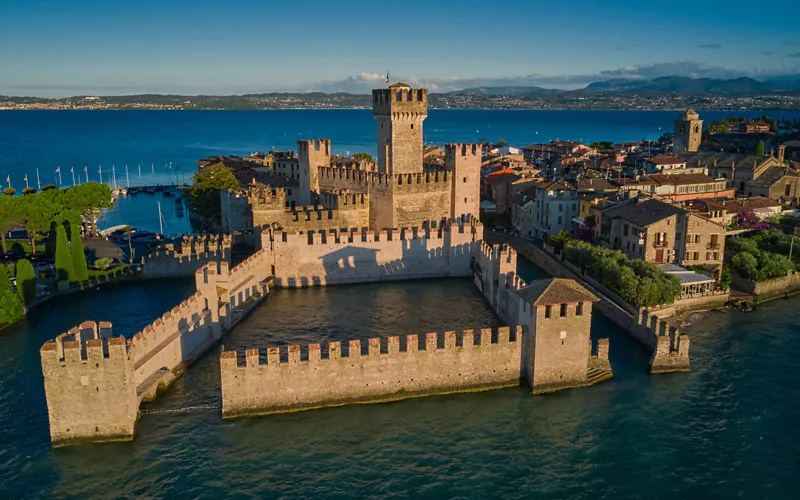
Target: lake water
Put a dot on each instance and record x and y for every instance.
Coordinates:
(727, 429)
(148, 141)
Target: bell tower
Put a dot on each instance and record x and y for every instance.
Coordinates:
(400, 111)
(688, 133)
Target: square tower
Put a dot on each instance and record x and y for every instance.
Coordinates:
(464, 160)
(558, 314)
(688, 133)
(310, 156)
(400, 111)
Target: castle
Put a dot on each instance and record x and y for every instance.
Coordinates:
(398, 221)
(399, 191)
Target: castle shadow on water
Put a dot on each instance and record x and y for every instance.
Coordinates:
(95, 382)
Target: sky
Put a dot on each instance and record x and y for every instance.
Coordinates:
(56, 48)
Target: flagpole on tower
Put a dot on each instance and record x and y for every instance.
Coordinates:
(60, 182)
(86, 171)
(100, 170)
(26, 181)
(38, 182)
(72, 171)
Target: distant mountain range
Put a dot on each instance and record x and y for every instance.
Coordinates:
(666, 84)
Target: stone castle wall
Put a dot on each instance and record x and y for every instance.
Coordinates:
(315, 259)
(463, 363)
(182, 260)
(94, 383)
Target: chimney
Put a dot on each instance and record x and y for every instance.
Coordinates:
(781, 153)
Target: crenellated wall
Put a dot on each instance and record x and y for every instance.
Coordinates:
(182, 260)
(396, 370)
(94, 383)
(357, 256)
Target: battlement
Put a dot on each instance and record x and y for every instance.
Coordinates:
(399, 98)
(90, 341)
(671, 353)
(462, 149)
(438, 177)
(306, 146)
(265, 198)
(355, 177)
(409, 344)
(191, 252)
(361, 235)
(344, 200)
(293, 378)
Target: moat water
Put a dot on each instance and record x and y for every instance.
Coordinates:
(727, 429)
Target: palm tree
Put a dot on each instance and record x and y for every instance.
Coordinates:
(128, 230)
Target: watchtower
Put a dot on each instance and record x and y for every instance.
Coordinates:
(400, 111)
(558, 314)
(688, 133)
(310, 156)
(464, 160)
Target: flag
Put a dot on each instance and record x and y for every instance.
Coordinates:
(72, 169)
(84, 169)
(58, 169)
(8, 179)
(26, 178)
(387, 78)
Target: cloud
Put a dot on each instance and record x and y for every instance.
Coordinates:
(710, 46)
(796, 54)
(364, 82)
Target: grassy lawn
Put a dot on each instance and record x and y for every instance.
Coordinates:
(23, 246)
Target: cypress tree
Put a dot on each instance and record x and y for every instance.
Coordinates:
(78, 254)
(760, 148)
(11, 307)
(65, 270)
(26, 281)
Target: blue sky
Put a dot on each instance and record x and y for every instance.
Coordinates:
(68, 47)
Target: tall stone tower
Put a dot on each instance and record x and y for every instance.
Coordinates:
(688, 133)
(310, 156)
(400, 111)
(464, 160)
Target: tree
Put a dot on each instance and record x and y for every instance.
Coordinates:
(502, 143)
(128, 231)
(602, 145)
(65, 269)
(9, 213)
(11, 307)
(78, 254)
(9, 191)
(26, 281)
(362, 157)
(87, 199)
(773, 126)
(48, 187)
(665, 139)
(29, 190)
(760, 148)
(559, 240)
(204, 197)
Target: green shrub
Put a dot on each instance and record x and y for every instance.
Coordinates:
(78, 254)
(559, 239)
(65, 269)
(11, 307)
(26, 281)
(638, 282)
(103, 263)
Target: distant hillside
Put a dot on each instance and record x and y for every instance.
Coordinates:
(684, 84)
(520, 90)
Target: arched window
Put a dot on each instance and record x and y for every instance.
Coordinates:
(412, 126)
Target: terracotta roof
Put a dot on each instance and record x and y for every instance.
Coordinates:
(556, 291)
(724, 160)
(754, 203)
(665, 160)
(558, 184)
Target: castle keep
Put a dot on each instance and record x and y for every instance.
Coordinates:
(398, 191)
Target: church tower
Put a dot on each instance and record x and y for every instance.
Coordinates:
(688, 133)
(400, 111)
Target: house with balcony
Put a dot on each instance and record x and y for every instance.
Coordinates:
(662, 233)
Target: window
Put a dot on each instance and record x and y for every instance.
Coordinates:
(465, 200)
(559, 219)
(412, 126)
(787, 189)
(546, 311)
(579, 309)
(625, 230)
(560, 207)
(627, 245)
(694, 238)
(563, 310)
(465, 179)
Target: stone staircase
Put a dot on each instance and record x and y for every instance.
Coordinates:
(597, 375)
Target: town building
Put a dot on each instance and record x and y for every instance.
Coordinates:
(662, 233)
(556, 204)
(688, 133)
